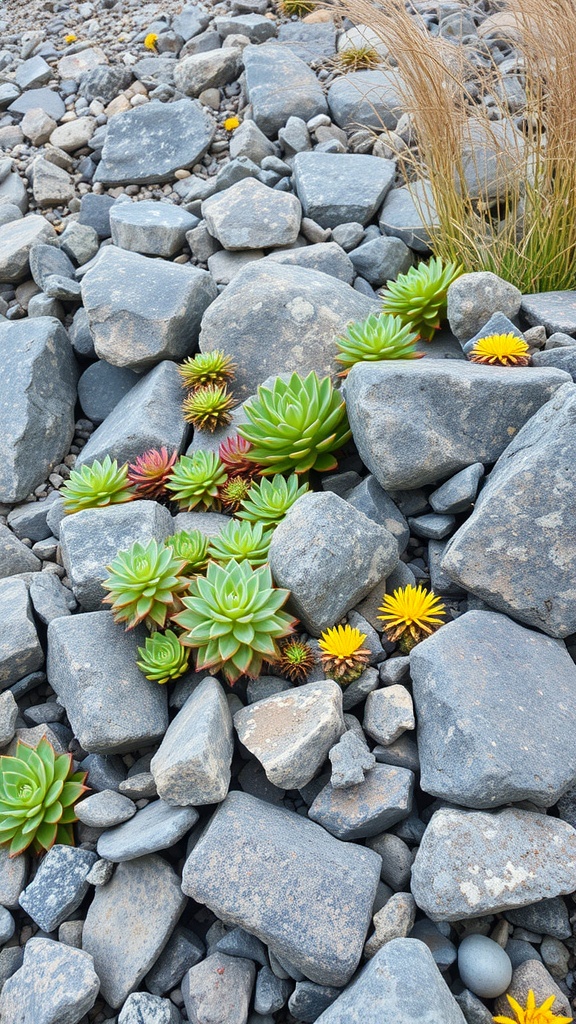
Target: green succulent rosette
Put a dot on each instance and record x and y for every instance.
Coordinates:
(191, 546)
(163, 658)
(419, 297)
(268, 501)
(144, 583)
(97, 486)
(195, 480)
(374, 339)
(241, 541)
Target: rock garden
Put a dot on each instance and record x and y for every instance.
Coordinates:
(287, 512)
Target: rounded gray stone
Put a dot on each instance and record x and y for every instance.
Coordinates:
(156, 827)
(211, 70)
(101, 387)
(105, 809)
(143, 1008)
(484, 966)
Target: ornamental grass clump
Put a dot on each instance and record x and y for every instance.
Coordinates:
(149, 472)
(532, 1014)
(38, 790)
(269, 500)
(500, 350)
(232, 617)
(144, 584)
(195, 481)
(374, 339)
(410, 614)
(163, 657)
(296, 425)
(96, 486)
(241, 541)
(206, 368)
(419, 297)
(191, 547)
(343, 658)
(297, 659)
(209, 407)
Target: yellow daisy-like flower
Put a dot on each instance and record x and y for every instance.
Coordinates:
(70, 38)
(150, 41)
(231, 123)
(500, 350)
(344, 658)
(410, 614)
(532, 1014)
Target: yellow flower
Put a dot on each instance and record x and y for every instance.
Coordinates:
(410, 614)
(500, 349)
(231, 123)
(150, 41)
(344, 658)
(70, 38)
(533, 1014)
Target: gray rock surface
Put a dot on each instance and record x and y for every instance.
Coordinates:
(369, 498)
(452, 414)
(339, 188)
(102, 386)
(291, 733)
(562, 358)
(50, 599)
(143, 1008)
(16, 240)
(156, 827)
(8, 716)
(471, 863)
(397, 859)
(533, 975)
(556, 311)
(92, 668)
(104, 809)
(46, 99)
(327, 257)
(15, 557)
(321, 930)
(549, 917)
(279, 85)
(458, 493)
(384, 798)
(13, 875)
(473, 298)
(211, 70)
(219, 989)
(393, 921)
(230, 216)
(381, 260)
(389, 713)
(55, 985)
(369, 98)
(20, 649)
(59, 886)
(350, 760)
(410, 214)
(150, 227)
(182, 951)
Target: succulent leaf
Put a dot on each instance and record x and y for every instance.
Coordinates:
(233, 452)
(96, 486)
(150, 471)
(163, 657)
(419, 297)
(268, 501)
(376, 338)
(239, 541)
(144, 583)
(195, 480)
(192, 548)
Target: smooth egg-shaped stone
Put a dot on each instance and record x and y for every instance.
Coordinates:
(484, 967)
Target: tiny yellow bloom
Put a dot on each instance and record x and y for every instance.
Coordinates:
(70, 38)
(500, 350)
(410, 614)
(532, 1014)
(150, 41)
(344, 658)
(341, 641)
(231, 123)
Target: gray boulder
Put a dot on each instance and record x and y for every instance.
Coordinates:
(230, 216)
(143, 1008)
(473, 298)
(46, 99)
(219, 989)
(458, 493)
(327, 257)
(280, 85)
(372, 99)
(554, 310)
(410, 215)
(279, 319)
(329, 556)
(156, 827)
(104, 809)
(150, 227)
(389, 713)
(20, 649)
(384, 798)
(381, 260)
(141, 310)
(56, 984)
(147, 144)
(210, 70)
(59, 886)
(105, 82)
(453, 413)
(471, 863)
(532, 486)
(16, 240)
(321, 929)
(562, 358)
(102, 386)
(15, 556)
(91, 666)
(339, 188)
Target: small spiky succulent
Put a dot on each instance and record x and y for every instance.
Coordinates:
(359, 58)
(343, 657)
(149, 472)
(376, 338)
(298, 7)
(206, 368)
(500, 350)
(38, 790)
(234, 492)
(191, 547)
(239, 541)
(208, 407)
(196, 479)
(232, 618)
(163, 657)
(296, 659)
(296, 425)
(269, 500)
(419, 297)
(144, 583)
(96, 486)
(233, 454)
(410, 614)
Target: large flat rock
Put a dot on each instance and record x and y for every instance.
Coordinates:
(279, 86)
(16, 239)
(369, 98)
(442, 414)
(341, 188)
(252, 854)
(56, 984)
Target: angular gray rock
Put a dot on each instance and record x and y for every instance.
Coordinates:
(182, 951)
(452, 414)
(381, 260)
(339, 188)
(562, 358)
(329, 556)
(369, 498)
(210, 70)
(20, 649)
(149, 416)
(150, 227)
(401, 983)
(104, 83)
(8, 716)
(219, 989)
(458, 493)
(37, 397)
(125, 930)
(533, 975)
(350, 760)
(280, 318)
(59, 886)
(321, 930)
(142, 310)
(384, 798)
(15, 557)
(46, 99)
(147, 144)
(556, 311)
(471, 863)
(91, 666)
(143, 1008)
(327, 257)
(393, 921)
(230, 216)
(13, 875)
(16, 239)
(410, 215)
(389, 713)
(484, 687)
(397, 859)
(192, 764)
(291, 733)
(369, 98)
(280, 85)
(56, 984)
(90, 540)
(156, 827)
(473, 298)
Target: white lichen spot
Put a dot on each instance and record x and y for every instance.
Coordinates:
(300, 309)
(471, 893)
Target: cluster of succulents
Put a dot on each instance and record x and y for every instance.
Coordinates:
(206, 377)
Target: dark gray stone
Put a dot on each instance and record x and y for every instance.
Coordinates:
(79, 242)
(562, 358)
(432, 526)
(219, 989)
(474, 298)
(397, 859)
(59, 886)
(150, 227)
(183, 950)
(105, 82)
(327, 257)
(240, 943)
(497, 324)
(46, 260)
(147, 144)
(13, 875)
(556, 311)
(440, 582)
(8, 716)
(308, 1000)
(459, 492)
(91, 666)
(157, 826)
(410, 214)
(338, 188)
(56, 984)
(280, 85)
(230, 216)
(474, 1010)
(105, 809)
(81, 335)
(95, 212)
(548, 917)
(381, 259)
(47, 100)
(101, 387)
(143, 1008)
(15, 557)
(350, 760)
(443, 951)
(10, 961)
(384, 798)
(322, 935)
(271, 993)
(50, 599)
(103, 772)
(369, 498)
(369, 98)
(20, 650)
(453, 414)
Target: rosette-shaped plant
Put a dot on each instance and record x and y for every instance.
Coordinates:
(269, 500)
(38, 790)
(376, 338)
(96, 486)
(191, 547)
(233, 618)
(208, 407)
(149, 472)
(206, 368)
(239, 541)
(234, 492)
(410, 614)
(359, 58)
(144, 583)
(419, 297)
(343, 657)
(500, 350)
(296, 425)
(163, 658)
(296, 659)
(233, 454)
(195, 480)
